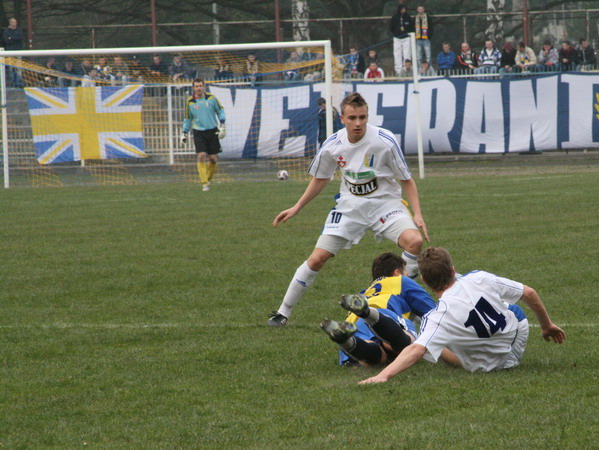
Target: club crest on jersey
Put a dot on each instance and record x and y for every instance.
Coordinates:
(341, 162)
(369, 160)
(362, 189)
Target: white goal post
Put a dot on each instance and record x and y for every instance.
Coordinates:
(415, 77)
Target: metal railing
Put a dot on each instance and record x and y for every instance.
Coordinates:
(343, 31)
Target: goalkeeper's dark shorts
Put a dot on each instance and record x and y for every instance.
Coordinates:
(206, 141)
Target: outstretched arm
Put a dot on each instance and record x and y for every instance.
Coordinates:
(411, 192)
(406, 359)
(550, 330)
(314, 188)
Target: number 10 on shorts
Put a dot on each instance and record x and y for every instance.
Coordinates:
(335, 217)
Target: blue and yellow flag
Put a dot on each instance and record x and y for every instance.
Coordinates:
(78, 123)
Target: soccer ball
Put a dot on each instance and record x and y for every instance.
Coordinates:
(282, 175)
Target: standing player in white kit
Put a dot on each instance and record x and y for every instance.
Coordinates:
(370, 198)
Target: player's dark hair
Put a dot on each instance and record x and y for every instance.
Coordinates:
(354, 100)
(384, 265)
(198, 80)
(436, 268)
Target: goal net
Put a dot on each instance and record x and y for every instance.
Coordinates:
(114, 116)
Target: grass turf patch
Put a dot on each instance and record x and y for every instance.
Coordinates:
(134, 317)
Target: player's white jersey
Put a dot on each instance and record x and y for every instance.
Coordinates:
(472, 319)
(369, 167)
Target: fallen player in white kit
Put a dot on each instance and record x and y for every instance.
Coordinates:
(475, 324)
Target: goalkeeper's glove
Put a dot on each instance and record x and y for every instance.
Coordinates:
(183, 138)
(221, 133)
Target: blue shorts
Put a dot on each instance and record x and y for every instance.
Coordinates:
(517, 312)
(364, 332)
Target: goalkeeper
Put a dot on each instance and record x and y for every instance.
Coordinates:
(206, 117)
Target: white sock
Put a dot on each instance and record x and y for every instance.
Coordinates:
(301, 281)
(411, 264)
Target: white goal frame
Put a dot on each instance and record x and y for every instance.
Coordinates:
(325, 44)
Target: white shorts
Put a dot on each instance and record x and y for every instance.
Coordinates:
(347, 223)
(520, 341)
(514, 357)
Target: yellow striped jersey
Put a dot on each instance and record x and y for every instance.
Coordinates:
(402, 295)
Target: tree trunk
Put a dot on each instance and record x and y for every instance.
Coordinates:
(495, 21)
(300, 14)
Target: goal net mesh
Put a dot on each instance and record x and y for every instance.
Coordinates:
(116, 118)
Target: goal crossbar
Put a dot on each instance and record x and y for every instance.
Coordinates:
(166, 49)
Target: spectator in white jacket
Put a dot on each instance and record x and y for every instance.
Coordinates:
(525, 58)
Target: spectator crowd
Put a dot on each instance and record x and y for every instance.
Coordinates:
(490, 59)
(493, 59)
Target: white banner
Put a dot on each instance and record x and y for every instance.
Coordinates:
(558, 111)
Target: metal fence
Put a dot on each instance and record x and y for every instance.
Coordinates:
(361, 32)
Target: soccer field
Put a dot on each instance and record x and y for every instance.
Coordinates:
(134, 317)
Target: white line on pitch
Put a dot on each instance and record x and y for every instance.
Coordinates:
(60, 325)
(570, 325)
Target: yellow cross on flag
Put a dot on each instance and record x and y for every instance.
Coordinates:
(78, 123)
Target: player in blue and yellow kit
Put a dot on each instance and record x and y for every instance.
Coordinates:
(378, 327)
(206, 117)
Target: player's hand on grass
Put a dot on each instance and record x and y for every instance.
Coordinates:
(374, 380)
(284, 216)
(555, 333)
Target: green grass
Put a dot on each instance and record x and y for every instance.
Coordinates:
(133, 317)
